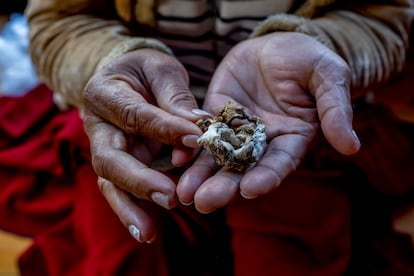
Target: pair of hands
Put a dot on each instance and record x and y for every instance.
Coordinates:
(142, 101)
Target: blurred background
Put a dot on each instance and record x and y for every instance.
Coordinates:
(17, 74)
(11, 6)
(12, 245)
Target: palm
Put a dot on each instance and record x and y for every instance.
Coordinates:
(268, 77)
(266, 87)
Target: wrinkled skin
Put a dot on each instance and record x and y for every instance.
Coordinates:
(131, 108)
(142, 100)
(293, 83)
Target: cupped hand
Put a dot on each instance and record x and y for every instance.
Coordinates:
(296, 85)
(132, 107)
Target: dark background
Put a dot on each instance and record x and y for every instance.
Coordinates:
(12, 6)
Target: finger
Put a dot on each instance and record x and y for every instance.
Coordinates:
(118, 103)
(338, 130)
(182, 156)
(204, 167)
(133, 217)
(164, 77)
(217, 191)
(140, 77)
(144, 149)
(331, 84)
(282, 156)
(169, 84)
(111, 161)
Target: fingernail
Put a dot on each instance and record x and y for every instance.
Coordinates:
(201, 113)
(190, 141)
(355, 135)
(161, 200)
(246, 196)
(134, 231)
(186, 203)
(205, 212)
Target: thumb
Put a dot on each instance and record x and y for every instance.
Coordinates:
(337, 127)
(172, 93)
(331, 87)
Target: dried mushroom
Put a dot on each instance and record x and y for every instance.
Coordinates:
(235, 139)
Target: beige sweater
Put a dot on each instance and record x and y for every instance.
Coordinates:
(72, 39)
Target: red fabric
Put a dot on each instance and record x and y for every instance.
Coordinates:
(313, 225)
(34, 191)
(91, 241)
(295, 233)
(48, 191)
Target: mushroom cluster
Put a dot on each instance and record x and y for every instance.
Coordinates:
(234, 138)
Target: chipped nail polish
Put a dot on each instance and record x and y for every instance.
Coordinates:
(355, 134)
(190, 141)
(201, 112)
(247, 196)
(161, 200)
(134, 231)
(186, 203)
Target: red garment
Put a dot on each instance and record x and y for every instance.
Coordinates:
(64, 212)
(34, 191)
(48, 191)
(298, 225)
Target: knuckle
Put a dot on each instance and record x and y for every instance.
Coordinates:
(132, 117)
(88, 122)
(333, 70)
(180, 96)
(99, 163)
(129, 117)
(137, 119)
(342, 67)
(333, 63)
(89, 94)
(171, 68)
(167, 66)
(102, 184)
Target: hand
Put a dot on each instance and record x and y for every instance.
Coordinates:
(296, 85)
(132, 107)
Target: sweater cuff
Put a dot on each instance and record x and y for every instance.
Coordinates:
(292, 23)
(130, 45)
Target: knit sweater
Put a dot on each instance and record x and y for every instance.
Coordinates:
(72, 39)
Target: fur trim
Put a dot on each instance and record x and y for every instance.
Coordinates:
(131, 45)
(292, 23)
